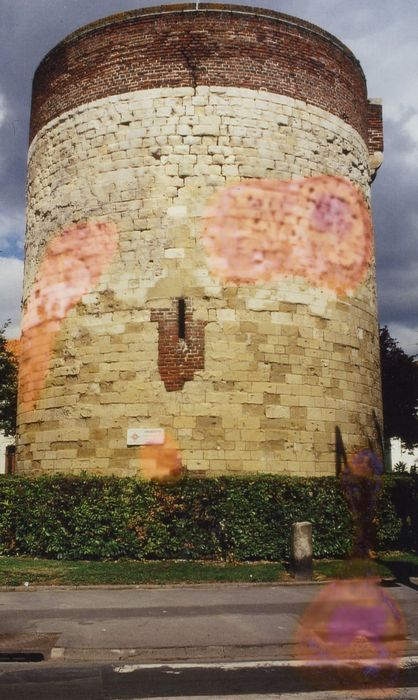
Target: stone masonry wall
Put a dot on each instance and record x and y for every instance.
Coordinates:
(278, 367)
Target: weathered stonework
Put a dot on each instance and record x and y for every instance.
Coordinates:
(274, 369)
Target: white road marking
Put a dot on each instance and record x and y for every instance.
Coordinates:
(405, 662)
(396, 694)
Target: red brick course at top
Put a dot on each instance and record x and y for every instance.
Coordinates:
(181, 46)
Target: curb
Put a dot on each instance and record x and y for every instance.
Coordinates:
(211, 584)
(213, 654)
(199, 657)
(182, 654)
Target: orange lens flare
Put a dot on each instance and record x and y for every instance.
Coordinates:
(73, 263)
(161, 462)
(319, 229)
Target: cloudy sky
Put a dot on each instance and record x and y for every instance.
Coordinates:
(382, 34)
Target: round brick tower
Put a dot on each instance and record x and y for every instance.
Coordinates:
(131, 334)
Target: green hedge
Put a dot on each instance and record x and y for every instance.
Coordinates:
(225, 518)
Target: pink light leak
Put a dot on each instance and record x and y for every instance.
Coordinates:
(361, 480)
(318, 228)
(355, 624)
(73, 263)
(354, 621)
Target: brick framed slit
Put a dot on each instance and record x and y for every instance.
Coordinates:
(181, 343)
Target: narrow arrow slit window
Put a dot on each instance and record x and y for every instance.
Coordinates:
(181, 319)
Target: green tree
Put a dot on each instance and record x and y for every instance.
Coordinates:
(400, 391)
(8, 386)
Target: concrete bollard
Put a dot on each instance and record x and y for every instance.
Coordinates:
(301, 551)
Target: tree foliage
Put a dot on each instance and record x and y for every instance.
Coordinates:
(8, 386)
(400, 391)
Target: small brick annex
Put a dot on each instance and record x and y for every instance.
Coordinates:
(138, 120)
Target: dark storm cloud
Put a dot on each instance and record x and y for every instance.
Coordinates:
(28, 30)
(383, 38)
(395, 227)
(396, 222)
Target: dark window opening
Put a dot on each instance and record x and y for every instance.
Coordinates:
(182, 319)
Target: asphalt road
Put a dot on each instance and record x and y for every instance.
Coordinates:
(203, 681)
(205, 641)
(167, 623)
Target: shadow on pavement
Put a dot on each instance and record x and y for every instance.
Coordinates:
(402, 571)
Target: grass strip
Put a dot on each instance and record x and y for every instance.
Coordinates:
(15, 571)
(400, 565)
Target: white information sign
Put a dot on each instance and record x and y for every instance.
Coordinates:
(145, 436)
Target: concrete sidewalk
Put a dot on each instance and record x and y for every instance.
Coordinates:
(210, 622)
